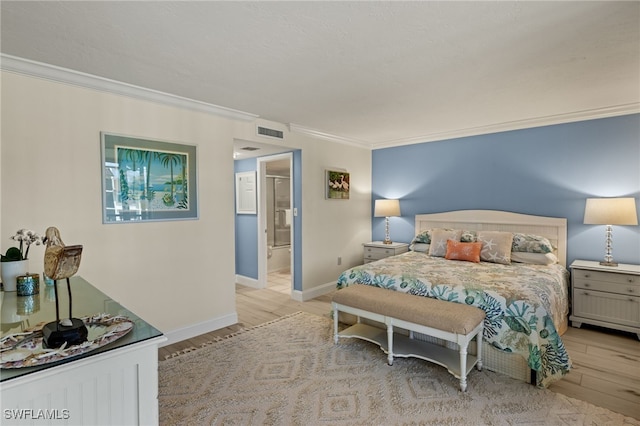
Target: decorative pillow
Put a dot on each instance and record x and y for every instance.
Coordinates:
(469, 252)
(534, 258)
(496, 246)
(423, 237)
(419, 247)
(469, 236)
(531, 244)
(439, 239)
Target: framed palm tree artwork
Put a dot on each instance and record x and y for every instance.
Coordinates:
(147, 180)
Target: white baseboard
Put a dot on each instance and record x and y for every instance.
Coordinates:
(298, 296)
(303, 296)
(178, 335)
(248, 281)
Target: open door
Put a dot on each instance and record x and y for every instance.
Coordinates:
(275, 222)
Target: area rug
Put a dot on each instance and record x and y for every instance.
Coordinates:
(289, 372)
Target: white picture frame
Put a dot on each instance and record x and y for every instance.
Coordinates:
(246, 193)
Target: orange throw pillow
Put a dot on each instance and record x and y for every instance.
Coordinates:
(469, 252)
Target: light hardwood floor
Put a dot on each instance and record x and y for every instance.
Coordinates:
(606, 364)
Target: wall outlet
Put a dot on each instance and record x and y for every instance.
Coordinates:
(339, 261)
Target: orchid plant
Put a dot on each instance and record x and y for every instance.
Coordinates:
(24, 237)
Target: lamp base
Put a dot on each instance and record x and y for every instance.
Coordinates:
(55, 334)
(603, 263)
(387, 242)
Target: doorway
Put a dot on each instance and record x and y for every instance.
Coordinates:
(275, 222)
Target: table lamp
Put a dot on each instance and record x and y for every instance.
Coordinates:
(386, 209)
(610, 211)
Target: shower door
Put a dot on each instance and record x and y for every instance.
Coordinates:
(279, 211)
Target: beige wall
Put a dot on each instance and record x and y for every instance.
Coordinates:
(51, 176)
(333, 228)
(330, 228)
(174, 274)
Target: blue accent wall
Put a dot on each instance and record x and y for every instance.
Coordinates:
(246, 231)
(547, 171)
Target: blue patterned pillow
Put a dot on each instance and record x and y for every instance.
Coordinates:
(527, 243)
(424, 237)
(468, 236)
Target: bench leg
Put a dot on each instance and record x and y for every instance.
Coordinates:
(335, 324)
(479, 349)
(390, 343)
(463, 367)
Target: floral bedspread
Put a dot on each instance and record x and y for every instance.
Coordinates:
(526, 305)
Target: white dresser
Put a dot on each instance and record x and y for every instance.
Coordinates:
(606, 296)
(116, 384)
(377, 250)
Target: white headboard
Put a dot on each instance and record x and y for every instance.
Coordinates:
(553, 228)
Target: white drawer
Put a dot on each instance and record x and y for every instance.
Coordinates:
(378, 252)
(607, 307)
(611, 287)
(611, 277)
(605, 296)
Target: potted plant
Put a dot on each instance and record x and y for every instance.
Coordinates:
(15, 262)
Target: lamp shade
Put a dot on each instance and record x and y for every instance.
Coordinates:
(386, 208)
(610, 211)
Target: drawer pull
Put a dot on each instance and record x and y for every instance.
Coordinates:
(585, 293)
(587, 284)
(630, 280)
(587, 275)
(630, 290)
(631, 300)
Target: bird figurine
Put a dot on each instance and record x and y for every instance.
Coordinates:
(62, 262)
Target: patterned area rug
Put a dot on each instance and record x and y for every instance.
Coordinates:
(289, 372)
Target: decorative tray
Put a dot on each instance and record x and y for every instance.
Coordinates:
(25, 349)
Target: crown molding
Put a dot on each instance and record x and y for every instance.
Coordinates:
(592, 114)
(549, 120)
(44, 71)
(328, 136)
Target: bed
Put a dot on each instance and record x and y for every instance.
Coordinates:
(526, 303)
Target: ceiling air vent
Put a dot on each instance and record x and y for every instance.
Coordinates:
(272, 133)
(249, 148)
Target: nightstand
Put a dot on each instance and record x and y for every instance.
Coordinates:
(606, 296)
(376, 250)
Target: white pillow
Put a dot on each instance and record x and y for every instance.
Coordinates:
(419, 247)
(534, 258)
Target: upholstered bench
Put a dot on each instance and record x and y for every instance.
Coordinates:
(453, 322)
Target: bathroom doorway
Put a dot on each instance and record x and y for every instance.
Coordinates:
(277, 221)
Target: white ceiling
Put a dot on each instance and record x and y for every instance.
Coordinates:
(371, 73)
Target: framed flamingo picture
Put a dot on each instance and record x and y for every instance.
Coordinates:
(337, 185)
(147, 180)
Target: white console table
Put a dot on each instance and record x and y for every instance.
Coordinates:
(113, 385)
